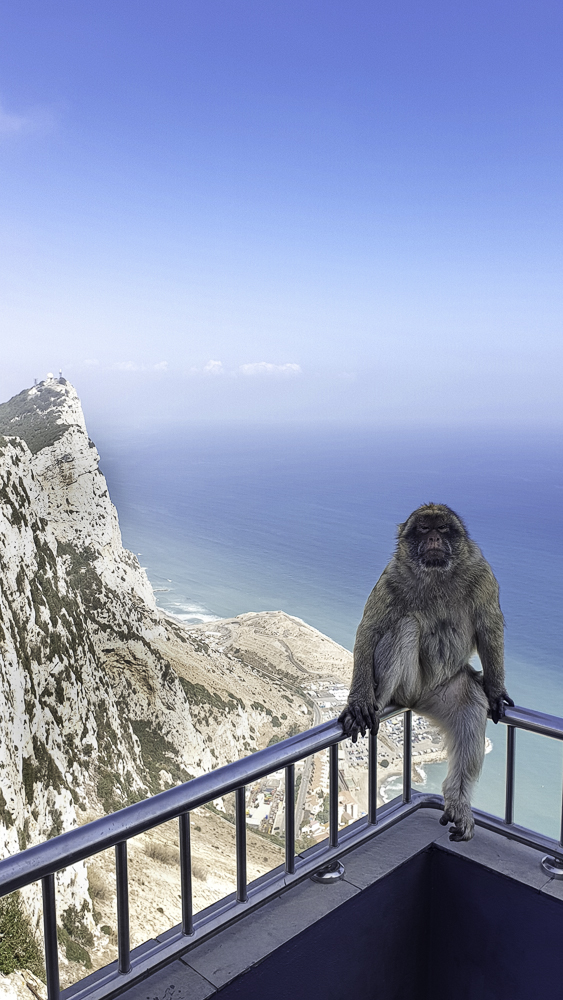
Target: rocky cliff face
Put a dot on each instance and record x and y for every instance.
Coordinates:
(71, 491)
(103, 698)
(78, 616)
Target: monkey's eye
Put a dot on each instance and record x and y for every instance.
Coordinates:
(423, 530)
(444, 529)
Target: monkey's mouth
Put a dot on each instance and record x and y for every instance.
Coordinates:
(435, 560)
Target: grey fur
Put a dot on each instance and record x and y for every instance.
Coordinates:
(434, 605)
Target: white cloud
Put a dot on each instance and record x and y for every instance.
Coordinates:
(37, 120)
(126, 366)
(257, 369)
(214, 368)
(132, 366)
(11, 123)
(265, 368)
(91, 363)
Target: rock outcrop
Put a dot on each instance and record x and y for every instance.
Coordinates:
(104, 699)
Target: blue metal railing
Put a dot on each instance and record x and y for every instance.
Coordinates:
(44, 860)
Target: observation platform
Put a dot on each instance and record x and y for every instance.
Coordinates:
(413, 915)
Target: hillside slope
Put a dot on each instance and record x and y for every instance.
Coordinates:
(104, 699)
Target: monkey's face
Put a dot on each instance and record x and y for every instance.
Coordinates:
(432, 536)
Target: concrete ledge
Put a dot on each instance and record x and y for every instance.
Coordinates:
(554, 888)
(176, 982)
(500, 855)
(365, 864)
(248, 942)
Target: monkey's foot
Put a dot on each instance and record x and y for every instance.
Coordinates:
(461, 816)
(357, 717)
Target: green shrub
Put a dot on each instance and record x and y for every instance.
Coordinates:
(75, 933)
(18, 947)
(74, 951)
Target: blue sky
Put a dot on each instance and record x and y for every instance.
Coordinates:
(345, 212)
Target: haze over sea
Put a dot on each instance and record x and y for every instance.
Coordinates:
(248, 519)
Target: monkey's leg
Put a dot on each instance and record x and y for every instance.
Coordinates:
(459, 708)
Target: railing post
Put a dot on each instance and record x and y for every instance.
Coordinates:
(407, 755)
(186, 874)
(553, 866)
(290, 819)
(372, 778)
(50, 936)
(242, 893)
(333, 795)
(510, 774)
(122, 885)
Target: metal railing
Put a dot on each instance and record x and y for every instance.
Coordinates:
(43, 861)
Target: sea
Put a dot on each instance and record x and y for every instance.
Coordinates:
(227, 520)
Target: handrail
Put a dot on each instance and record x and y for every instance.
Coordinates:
(43, 860)
(80, 843)
(83, 841)
(99, 835)
(534, 722)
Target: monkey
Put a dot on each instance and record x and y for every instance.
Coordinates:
(434, 605)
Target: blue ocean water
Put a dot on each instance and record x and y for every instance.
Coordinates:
(247, 519)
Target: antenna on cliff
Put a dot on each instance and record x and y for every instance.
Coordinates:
(60, 375)
(35, 381)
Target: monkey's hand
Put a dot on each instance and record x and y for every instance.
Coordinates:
(497, 703)
(358, 716)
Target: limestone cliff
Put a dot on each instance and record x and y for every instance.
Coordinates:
(103, 698)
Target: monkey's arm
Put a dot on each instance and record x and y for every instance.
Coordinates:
(490, 647)
(362, 710)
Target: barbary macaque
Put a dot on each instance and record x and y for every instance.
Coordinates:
(434, 605)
